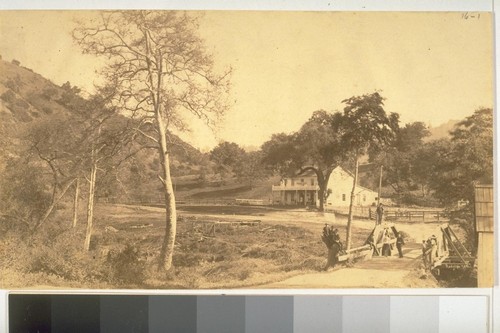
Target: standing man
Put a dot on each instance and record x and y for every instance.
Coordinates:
(380, 214)
(399, 244)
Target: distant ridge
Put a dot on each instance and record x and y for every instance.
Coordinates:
(442, 131)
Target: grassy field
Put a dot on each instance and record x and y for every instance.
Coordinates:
(127, 241)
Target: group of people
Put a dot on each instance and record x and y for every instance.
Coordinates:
(429, 250)
(386, 243)
(331, 237)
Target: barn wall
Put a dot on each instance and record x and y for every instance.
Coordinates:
(484, 226)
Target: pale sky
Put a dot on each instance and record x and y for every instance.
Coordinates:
(431, 67)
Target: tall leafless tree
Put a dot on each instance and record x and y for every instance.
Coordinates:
(159, 69)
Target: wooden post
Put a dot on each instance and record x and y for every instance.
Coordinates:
(380, 185)
(350, 216)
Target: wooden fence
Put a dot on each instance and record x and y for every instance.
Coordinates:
(394, 215)
(415, 216)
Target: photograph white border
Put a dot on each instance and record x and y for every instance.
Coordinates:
(289, 5)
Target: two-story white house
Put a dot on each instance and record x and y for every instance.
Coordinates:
(302, 190)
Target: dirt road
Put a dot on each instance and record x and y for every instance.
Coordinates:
(378, 272)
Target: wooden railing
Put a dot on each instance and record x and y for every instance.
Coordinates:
(369, 212)
(415, 216)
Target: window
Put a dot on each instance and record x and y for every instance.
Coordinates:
(364, 197)
(312, 181)
(343, 197)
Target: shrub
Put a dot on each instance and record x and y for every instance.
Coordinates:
(49, 93)
(16, 62)
(9, 96)
(14, 84)
(126, 266)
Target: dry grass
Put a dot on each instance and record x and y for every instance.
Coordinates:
(127, 241)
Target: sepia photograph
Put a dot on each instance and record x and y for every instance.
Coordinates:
(154, 149)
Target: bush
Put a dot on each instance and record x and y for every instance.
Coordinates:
(9, 96)
(14, 84)
(127, 266)
(49, 93)
(16, 62)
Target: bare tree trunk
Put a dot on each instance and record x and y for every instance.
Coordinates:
(90, 207)
(75, 202)
(167, 249)
(349, 219)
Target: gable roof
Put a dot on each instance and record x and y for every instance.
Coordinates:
(342, 170)
(306, 173)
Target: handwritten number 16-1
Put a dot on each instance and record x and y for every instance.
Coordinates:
(468, 15)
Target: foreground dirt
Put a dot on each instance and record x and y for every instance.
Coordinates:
(376, 272)
(282, 250)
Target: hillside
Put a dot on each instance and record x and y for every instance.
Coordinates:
(24, 97)
(27, 98)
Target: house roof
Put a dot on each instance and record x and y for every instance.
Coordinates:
(306, 173)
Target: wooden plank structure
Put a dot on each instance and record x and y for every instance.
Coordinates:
(450, 253)
(375, 239)
(484, 206)
(373, 244)
(357, 252)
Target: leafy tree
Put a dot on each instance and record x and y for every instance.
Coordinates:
(365, 125)
(23, 197)
(279, 154)
(69, 95)
(316, 146)
(251, 168)
(430, 160)
(232, 160)
(158, 70)
(228, 157)
(469, 161)
(398, 158)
